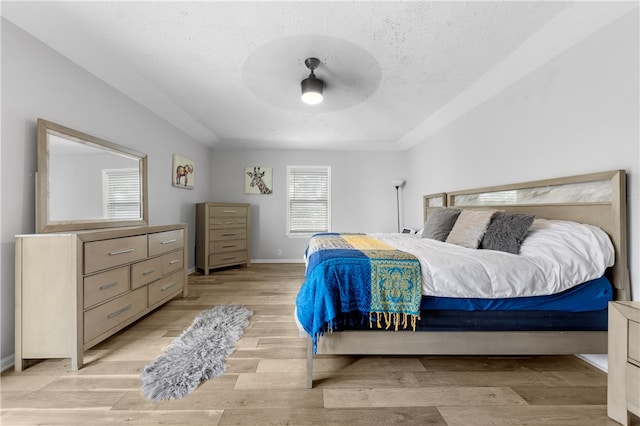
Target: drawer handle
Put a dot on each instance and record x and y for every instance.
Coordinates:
(173, 262)
(148, 271)
(229, 258)
(169, 241)
(229, 235)
(106, 286)
(119, 311)
(168, 286)
(230, 211)
(115, 253)
(229, 246)
(229, 223)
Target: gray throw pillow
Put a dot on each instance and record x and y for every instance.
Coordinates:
(439, 223)
(507, 231)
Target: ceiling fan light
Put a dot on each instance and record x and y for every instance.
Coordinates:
(312, 90)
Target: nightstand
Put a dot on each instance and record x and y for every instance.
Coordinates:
(623, 391)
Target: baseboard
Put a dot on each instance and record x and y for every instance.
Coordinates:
(600, 361)
(7, 362)
(277, 260)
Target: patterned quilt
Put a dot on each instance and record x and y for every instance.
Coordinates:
(357, 276)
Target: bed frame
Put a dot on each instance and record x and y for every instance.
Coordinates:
(598, 199)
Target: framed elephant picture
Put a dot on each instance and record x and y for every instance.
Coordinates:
(258, 180)
(183, 173)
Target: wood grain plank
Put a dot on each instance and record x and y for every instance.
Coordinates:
(488, 378)
(563, 395)
(319, 416)
(556, 415)
(61, 400)
(102, 417)
(420, 397)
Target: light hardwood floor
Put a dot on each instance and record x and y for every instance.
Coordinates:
(265, 379)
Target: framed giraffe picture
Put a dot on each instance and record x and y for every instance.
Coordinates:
(182, 173)
(258, 180)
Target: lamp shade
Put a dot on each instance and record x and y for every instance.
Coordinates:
(397, 182)
(312, 90)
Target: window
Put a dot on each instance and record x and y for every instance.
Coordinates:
(498, 197)
(121, 193)
(308, 200)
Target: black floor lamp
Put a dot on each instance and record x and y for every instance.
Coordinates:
(398, 183)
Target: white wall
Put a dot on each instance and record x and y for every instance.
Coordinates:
(577, 114)
(38, 82)
(363, 198)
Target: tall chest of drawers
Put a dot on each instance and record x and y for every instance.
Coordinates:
(222, 235)
(74, 290)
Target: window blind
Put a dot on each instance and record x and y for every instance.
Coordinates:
(498, 197)
(121, 193)
(308, 199)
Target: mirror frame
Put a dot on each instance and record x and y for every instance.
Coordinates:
(43, 223)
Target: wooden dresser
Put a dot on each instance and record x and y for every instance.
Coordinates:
(222, 235)
(73, 290)
(623, 390)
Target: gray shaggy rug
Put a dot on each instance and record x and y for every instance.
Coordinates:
(196, 355)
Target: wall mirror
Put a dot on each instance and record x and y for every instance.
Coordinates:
(84, 182)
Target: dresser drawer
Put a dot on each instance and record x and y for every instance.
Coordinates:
(166, 287)
(634, 342)
(106, 316)
(105, 254)
(227, 246)
(228, 234)
(172, 262)
(145, 272)
(227, 211)
(105, 285)
(227, 258)
(163, 242)
(227, 222)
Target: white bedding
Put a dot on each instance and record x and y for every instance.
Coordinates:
(555, 256)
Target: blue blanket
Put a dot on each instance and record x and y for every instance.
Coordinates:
(351, 274)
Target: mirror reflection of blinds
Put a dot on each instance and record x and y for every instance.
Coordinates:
(308, 200)
(121, 193)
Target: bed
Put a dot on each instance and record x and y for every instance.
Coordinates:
(481, 325)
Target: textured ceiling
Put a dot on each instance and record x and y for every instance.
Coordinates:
(228, 73)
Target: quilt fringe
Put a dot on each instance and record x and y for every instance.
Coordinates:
(384, 320)
(393, 319)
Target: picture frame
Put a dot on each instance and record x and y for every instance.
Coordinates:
(182, 172)
(258, 180)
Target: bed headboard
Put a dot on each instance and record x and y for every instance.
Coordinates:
(433, 201)
(598, 199)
